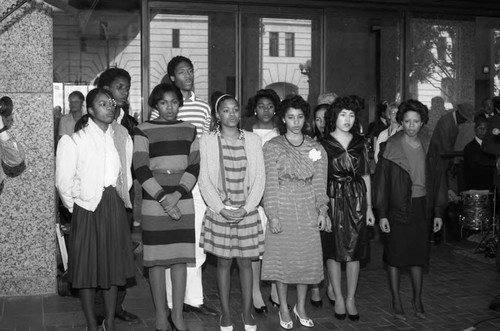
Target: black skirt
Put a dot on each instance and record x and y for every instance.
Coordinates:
(408, 244)
(100, 249)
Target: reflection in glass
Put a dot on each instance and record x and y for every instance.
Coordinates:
(190, 34)
(285, 49)
(88, 42)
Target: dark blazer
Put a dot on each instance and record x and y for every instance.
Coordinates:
(392, 184)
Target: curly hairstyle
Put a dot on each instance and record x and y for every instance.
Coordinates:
(412, 105)
(174, 62)
(350, 102)
(160, 90)
(296, 102)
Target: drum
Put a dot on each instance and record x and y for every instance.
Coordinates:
(477, 212)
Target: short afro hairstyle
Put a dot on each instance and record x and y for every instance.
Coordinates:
(109, 76)
(174, 63)
(263, 93)
(412, 105)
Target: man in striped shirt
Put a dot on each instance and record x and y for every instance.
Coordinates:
(180, 72)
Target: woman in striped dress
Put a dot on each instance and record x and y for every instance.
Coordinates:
(166, 162)
(295, 202)
(232, 183)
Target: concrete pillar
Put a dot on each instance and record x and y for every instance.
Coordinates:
(27, 207)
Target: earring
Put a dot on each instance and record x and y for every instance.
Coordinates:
(255, 113)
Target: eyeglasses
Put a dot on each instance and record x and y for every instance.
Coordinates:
(262, 106)
(110, 103)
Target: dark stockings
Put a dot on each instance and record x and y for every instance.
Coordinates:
(417, 276)
(417, 279)
(394, 274)
(87, 297)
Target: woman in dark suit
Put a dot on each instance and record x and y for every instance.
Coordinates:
(406, 204)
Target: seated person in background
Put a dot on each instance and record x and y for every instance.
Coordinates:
(479, 167)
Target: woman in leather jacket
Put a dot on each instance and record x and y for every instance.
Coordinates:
(406, 204)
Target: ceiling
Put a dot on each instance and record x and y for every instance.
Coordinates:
(475, 7)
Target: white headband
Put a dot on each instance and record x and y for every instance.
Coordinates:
(219, 99)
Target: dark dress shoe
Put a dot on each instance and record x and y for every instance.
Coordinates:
(260, 310)
(126, 316)
(354, 317)
(202, 309)
(317, 304)
(277, 305)
(332, 301)
(99, 319)
(173, 326)
(340, 316)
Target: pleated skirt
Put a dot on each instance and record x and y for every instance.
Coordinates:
(230, 240)
(100, 250)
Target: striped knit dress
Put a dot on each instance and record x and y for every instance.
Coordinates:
(166, 160)
(295, 193)
(229, 240)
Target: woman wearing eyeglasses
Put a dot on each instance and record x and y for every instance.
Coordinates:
(261, 111)
(93, 178)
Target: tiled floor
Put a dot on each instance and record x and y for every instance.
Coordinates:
(457, 291)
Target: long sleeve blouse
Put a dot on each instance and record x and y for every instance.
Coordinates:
(210, 171)
(284, 163)
(89, 160)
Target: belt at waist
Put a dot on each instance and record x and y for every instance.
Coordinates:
(295, 182)
(168, 172)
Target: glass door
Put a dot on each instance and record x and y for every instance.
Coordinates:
(204, 34)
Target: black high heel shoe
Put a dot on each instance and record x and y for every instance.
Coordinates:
(172, 324)
(418, 314)
(317, 304)
(260, 310)
(399, 316)
(277, 305)
(353, 317)
(340, 316)
(332, 301)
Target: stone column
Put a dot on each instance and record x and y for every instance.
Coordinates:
(27, 204)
